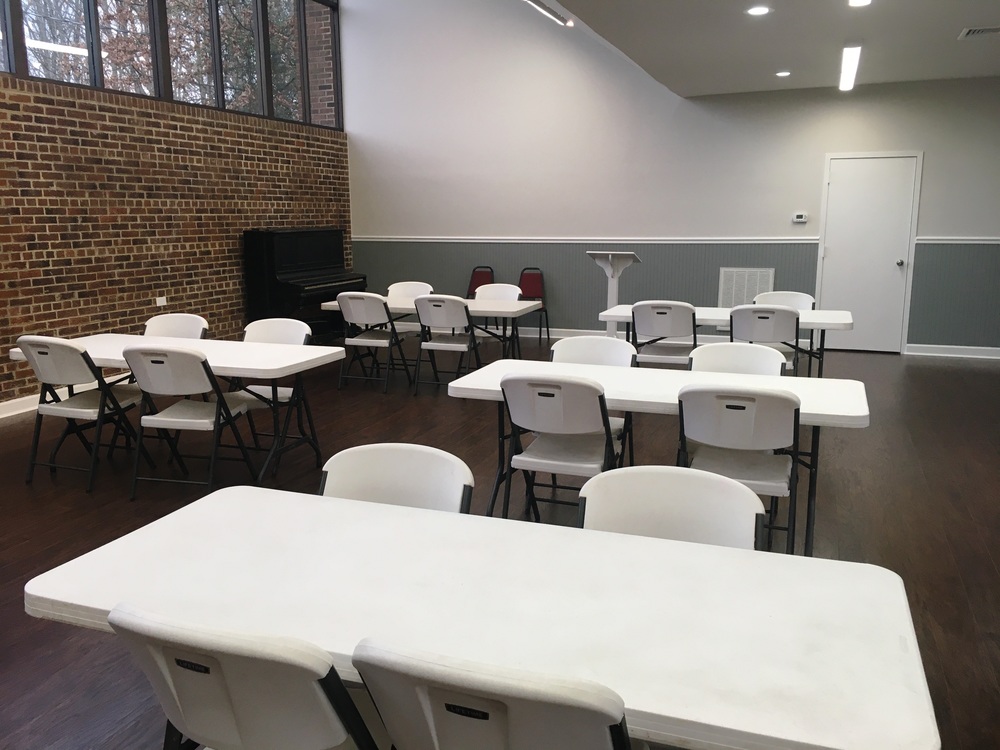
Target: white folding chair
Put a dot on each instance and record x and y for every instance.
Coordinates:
(433, 702)
(747, 434)
(664, 331)
(370, 328)
(673, 502)
(445, 326)
(602, 350)
(737, 357)
(417, 476)
(177, 325)
(292, 398)
(508, 341)
(60, 362)
(774, 325)
(568, 418)
(800, 301)
(408, 290)
(240, 691)
(171, 371)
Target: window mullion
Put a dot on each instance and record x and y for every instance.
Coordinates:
(159, 39)
(213, 18)
(300, 13)
(94, 44)
(264, 83)
(17, 50)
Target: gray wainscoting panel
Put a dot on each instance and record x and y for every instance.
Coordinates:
(575, 288)
(955, 297)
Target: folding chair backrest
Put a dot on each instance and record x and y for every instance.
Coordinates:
(499, 291)
(442, 311)
(594, 350)
(739, 418)
(764, 323)
(531, 283)
(672, 502)
(562, 406)
(431, 702)
(663, 318)
(57, 361)
(177, 325)
(798, 300)
(738, 357)
(480, 275)
(408, 289)
(169, 371)
(363, 308)
(233, 691)
(278, 331)
(400, 474)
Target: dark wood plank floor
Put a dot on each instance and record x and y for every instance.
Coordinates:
(918, 492)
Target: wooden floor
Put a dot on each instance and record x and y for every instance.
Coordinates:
(918, 492)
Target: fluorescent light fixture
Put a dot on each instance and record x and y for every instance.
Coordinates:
(65, 49)
(545, 10)
(859, 3)
(758, 10)
(783, 73)
(849, 67)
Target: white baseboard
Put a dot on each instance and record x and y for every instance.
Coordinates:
(28, 403)
(967, 352)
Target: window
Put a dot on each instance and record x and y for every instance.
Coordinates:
(277, 58)
(55, 33)
(126, 51)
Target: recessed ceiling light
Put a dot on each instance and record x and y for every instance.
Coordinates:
(849, 67)
(758, 10)
(859, 3)
(783, 73)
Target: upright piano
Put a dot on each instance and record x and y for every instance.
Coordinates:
(289, 272)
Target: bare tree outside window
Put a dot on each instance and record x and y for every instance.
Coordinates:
(55, 32)
(240, 73)
(189, 33)
(126, 50)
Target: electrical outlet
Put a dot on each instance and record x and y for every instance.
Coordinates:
(161, 301)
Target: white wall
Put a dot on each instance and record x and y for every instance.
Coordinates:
(481, 118)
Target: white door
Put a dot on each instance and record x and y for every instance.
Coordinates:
(869, 219)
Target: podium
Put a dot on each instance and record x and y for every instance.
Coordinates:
(613, 264)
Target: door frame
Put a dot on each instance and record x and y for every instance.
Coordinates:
(911, 245)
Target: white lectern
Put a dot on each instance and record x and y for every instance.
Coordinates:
(613, 264)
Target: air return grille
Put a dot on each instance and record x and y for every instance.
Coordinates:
(978, 32)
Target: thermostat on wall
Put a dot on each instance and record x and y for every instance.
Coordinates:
(800, 217)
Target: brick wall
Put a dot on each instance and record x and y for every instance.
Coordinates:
(109, 201)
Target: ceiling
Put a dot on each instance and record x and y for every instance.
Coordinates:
(705, 47)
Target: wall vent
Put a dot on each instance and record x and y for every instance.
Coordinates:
(738, 286)
(978, 32)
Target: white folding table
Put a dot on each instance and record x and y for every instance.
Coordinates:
(825, 402)
(809, 320)
(231, 359)
(709, 647)
(478, 308)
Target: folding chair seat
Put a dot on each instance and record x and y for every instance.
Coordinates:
(568, 419)
(445, 326)
(532, 285)
(737, 357)
(798, 300)
(747, 434)
(673, 502)
(434, 702)
(171, 371)
(240, 691)
(602, 350)
(776, 326)
(60, 362)
(259, 397)
(663, 331)
(480, 275)
(370, 328)
(177, 325)
(417, 476)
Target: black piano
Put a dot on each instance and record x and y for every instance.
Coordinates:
(289, 272)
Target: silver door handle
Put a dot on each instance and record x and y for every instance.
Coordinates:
(899, 261)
